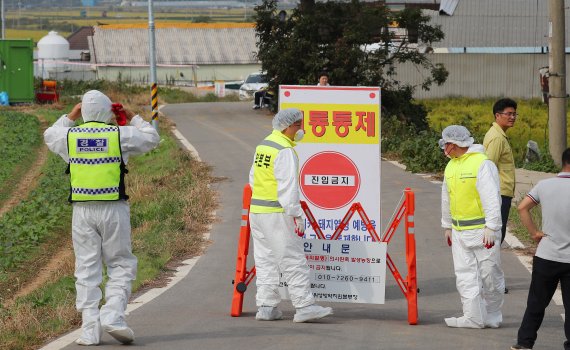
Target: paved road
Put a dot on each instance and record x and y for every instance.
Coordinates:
(194, 314)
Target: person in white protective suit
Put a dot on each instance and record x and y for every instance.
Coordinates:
(96, 153)
(471, 218)
(276, 220)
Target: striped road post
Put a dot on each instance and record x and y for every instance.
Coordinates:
(154, 103)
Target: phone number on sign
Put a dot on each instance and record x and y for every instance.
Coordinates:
(347, 278)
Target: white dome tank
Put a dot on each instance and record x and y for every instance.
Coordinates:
(53, 47)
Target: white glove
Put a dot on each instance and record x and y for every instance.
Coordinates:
(489, 238)
(300, 225)
(447, 234)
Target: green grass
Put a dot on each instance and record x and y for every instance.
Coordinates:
(517, 228)
(44, 212)
(21, 137)
(174, 95)
(166, 94)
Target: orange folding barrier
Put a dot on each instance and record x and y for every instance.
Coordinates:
(406, 209)
(409, 286)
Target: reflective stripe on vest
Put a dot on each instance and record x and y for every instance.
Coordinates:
(262, 203)
(464, 201)
(95, 163)
(468, 222)
(264, 197)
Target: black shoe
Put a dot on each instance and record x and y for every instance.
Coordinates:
(519, 347)
(507, 292)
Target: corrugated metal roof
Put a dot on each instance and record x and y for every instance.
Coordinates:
(448, 7)
(177, 46)
(496, 23)
(178, 25)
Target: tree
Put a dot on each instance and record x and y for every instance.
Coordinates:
(351, 41)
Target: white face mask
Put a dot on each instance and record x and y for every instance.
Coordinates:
(447, 154)
(299, 135)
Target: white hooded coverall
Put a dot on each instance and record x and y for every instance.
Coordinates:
(277, 248)
(101, 230)
(479, 276)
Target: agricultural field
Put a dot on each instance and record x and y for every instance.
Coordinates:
(36, 23)
(35, 35)
(21, 139)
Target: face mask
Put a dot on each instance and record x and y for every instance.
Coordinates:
(447, 153)
(299, 135)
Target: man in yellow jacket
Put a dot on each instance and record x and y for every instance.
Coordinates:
(275, 217)
(499, 151)
(471, 219)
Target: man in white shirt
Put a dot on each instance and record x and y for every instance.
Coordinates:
(551, 262)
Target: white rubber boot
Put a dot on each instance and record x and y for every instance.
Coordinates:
(311, 312)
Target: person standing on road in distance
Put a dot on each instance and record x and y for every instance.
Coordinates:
(97, 153)
(499, 150)
(471, 218)
(323, 79)
(276, 220)
(551, 262)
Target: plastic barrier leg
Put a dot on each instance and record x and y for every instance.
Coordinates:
(412, 283)
(241, 275)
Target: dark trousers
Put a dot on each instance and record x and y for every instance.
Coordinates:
(545, 277)
(261, 97)
(258, 97)
(505, 210)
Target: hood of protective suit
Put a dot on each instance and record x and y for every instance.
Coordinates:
(476, 148)
(96, 107)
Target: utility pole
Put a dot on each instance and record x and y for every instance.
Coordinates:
(3, 20)
(557, 80)
(152, 62)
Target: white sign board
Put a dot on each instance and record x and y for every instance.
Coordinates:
(344, 271)
(220, 88)
(339, 157)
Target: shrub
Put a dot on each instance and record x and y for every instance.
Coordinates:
(419, 151)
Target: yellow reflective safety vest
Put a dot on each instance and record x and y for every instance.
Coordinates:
(464, 201)
(96, 165)
(264, 197)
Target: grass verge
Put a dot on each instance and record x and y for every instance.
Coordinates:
(517, 228)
